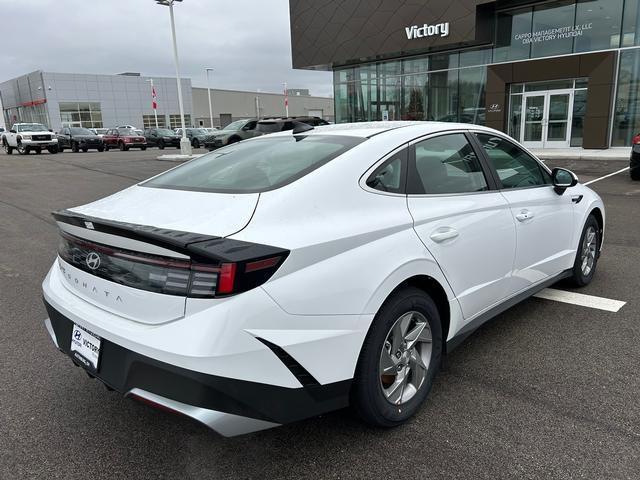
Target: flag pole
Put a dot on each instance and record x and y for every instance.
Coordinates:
(286, 100)
(154, 103)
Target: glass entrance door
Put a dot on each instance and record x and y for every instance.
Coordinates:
(546, 120)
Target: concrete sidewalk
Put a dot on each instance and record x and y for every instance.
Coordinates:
(616, 153)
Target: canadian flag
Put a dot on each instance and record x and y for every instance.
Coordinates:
(154, 98)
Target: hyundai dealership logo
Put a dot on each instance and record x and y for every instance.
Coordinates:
(423, 31)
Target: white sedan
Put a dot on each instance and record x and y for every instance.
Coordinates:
(297, 273)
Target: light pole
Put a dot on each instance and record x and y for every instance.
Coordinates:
(185, 145)
(209, 69)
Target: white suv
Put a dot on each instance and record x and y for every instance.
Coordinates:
(27, 137)
(297, 273)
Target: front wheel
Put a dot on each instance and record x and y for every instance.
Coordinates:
(74, 148)
(22, 150)
(399, 359)
(7, 149)
(196, 143)
(584, 267)
(161, 145)
(143, 148)
(53, 149)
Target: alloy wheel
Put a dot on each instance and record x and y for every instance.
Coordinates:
(405, 358)
(589, 248)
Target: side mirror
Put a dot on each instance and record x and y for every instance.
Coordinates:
(12, 131)
(563, 179)
(51, 130)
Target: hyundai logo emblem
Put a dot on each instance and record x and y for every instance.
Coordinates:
(77, 334)
(93, 261)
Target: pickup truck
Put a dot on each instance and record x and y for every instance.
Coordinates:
(25, 137)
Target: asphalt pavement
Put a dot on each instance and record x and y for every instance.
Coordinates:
(545, 390)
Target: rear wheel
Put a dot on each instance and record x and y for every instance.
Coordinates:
(7, 149)
(106, 148)
(399, 359)
(161, 145)
(635, 172)
(584, 267)
(53, 149)
(123, 147)
(74, 147)
(196, 143)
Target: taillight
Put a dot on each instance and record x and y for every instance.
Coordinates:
(636, 140)
(205, 278)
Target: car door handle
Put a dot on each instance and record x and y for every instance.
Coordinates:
(444, 234)
(525, 215)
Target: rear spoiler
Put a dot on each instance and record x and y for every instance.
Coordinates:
(201, 248)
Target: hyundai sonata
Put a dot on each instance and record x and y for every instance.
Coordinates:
(301, 272)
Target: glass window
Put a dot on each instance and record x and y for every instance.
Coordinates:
(515, 116)
(442, 102)
(414, 97)
(552, 85)
(415, 65)
(81, 114)
(631, 23)
(446, 164)
(513, 35)
(149, 121)
(263, 164)
(389, 98)
(553, 28)
(472, 95)
(471, 58)
(390, 177)
(600, 22)
(515, 167)
(626, 120)
(579, 111)
(175, 121)
(444, 61)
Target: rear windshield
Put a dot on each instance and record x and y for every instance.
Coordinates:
(257, 165)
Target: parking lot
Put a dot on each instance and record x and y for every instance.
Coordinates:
(546, 390)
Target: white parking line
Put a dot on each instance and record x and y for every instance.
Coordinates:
(589, 301)
(607, 176)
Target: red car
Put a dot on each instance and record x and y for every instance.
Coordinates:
(124, 139)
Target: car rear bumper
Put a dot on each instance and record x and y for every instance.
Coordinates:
(240, 365)
(228, 406)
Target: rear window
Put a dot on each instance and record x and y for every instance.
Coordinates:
(255, 166)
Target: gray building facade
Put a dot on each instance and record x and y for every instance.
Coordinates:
(93, 101)
(231, 105)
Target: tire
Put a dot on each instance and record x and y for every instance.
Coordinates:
(374, 395)
(7, 149)
(584, 267)
(106, 148)
(233, 140)
(161, 145)
(38, 150)
(143, 148)
(22, 150)
(101, 149)
(195, 143)
(53, 149)
(60, 149)
(634, 172)
(123, 147)
(74, 147)
(85, 149)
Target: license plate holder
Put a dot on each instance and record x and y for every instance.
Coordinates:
(85, 348)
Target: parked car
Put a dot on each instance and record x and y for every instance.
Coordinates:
(124, 139)
(196, 136)
(294, 274)
(27, 137)
(78, 138)
(278, 125)
(162, 137)
(211, 129)
(99, 131)
(130, 127)
(232, 133)
(634, 162)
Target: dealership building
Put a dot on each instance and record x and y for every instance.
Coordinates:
(552, 74)
(95, 101)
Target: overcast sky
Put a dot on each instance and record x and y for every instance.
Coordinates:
(247, 42)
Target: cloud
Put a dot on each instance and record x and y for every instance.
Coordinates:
(246, 42)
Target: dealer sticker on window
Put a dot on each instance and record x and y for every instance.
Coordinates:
(85, 347)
